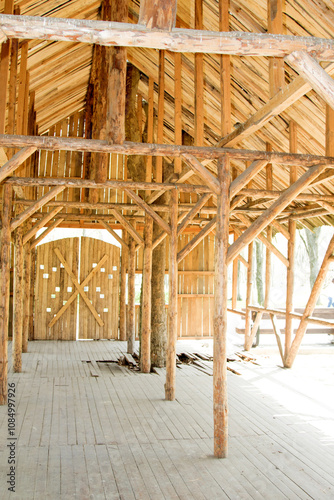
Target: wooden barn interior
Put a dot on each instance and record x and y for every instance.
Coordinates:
(194, 128)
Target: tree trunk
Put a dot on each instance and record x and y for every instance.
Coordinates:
(311, 242)
(259, 272)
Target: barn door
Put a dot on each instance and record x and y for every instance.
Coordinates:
(58, 288)
(99, 261)
(53, 289)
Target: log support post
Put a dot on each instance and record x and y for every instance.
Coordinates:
(26, 297)
(220, 410)
(172, 306)
(18, 301)
(145, 352)
(290, 278)
(131, 326)
(122, 307)
(4, 295)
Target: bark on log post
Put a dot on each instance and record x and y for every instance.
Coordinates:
(220, 410)
(32, 295)
(145, 356)
(290, 278)
(172, 306)
(131, 327)
(4, 295)
(26, 298)
(310, 306)
(122, 306)
(18, 302)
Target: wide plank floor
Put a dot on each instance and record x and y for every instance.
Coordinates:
(92, 430)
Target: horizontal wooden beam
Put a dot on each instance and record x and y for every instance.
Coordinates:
(50, 143)
(176, 40)
(71, 182)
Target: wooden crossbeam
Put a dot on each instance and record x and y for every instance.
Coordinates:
(78, 287)
(16, 160)
(40, 224)
(128, 227)
(145, 149)
(177, 40)
(114, 234)
(75, 294)
(269, 215)
(36, 206)
(142, 204)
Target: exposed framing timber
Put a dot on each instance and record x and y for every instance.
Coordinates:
(137, 148)
(189, 217)
(176, 40)
(145, 352)
(128, 227)
(220, 408)
(114, 234)
(149, 210)
(36, 206)
(15, 162)
(158, 14)
(47, 231)
(269, 215)
(40, 224)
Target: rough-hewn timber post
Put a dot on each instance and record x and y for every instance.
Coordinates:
(122, 307)
(220, 410)
(26, 297)
(172, 305)
(131, 327)
(18, 303)
(145, 352)
(4, 295)
(248, 316)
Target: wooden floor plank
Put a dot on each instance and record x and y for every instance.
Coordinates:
(115, 437)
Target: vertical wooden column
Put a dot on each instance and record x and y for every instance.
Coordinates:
(269, 185)
(225, 72)
(26, 297)
(178, 107)
(161, 109)
(32, 294)
(4, 295)
(4, 69)
(18, 301)
(145, 352)
(122, 306)
(172, 304)
(150, 127)
(131, 327)
(290, 277)
(199, 82)
(276, 64)
(220, 409)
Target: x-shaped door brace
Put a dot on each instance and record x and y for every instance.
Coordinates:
(79, 287)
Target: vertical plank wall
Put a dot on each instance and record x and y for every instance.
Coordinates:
(102, 290)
